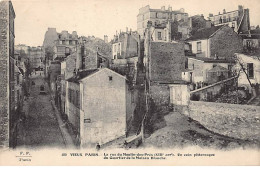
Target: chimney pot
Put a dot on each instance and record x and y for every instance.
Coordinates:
(163, 8)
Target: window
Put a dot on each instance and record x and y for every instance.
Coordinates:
(17, 78)
(156, 15)
(248, 43)
(159, 35)
(110, 78)
(63, 42)
(198, 47)
(77, 104)
(250, 70)
(118, 48)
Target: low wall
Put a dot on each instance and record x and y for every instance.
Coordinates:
(233, 120)
(207, 93)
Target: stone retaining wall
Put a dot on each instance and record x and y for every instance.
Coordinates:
(238, 121)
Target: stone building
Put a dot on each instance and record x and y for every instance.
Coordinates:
(163, 64)
(125, 54)
(58, 45)
(64, 44)
(8, 115)
(36, 57)
(83, 58)
(251, 41)
(238, 19)
(124, 45)
(251, 74)
(207, 70)
(215, 42)
(96, 106)
(157, 16)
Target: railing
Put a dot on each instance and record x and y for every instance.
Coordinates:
(212, 85)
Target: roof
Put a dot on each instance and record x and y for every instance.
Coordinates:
(211, 60)
(251, 34)
(218, 68)
(204, 33)
(82, 74)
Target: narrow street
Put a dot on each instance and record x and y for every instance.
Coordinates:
(40, 127)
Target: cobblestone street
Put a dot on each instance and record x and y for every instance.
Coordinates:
(40, 127)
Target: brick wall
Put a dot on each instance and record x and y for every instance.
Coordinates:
(225, 43)
(232, 120)
(167, 61)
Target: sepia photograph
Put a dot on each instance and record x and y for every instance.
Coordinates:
(141, 82)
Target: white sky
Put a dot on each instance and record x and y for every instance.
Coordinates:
(100, 17)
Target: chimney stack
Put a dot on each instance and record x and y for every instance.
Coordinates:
(170, 8)
(106, 38)
(163, 8)
(224, 11)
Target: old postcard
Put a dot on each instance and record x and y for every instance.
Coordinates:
(149, 82)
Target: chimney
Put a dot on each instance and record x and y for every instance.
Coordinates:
(240, 7)
(210, 15)
(170, 8)
(126, 29)
(224, 11)
(163, 8)
(106, 38)
(202, 16)
(219, 13)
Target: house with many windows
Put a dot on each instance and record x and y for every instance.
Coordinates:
(215, 42)
(238, 19)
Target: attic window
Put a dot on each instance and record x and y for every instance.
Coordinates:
(110, 78)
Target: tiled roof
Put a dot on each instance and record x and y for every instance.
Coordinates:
(204, 33)
(211, 60)
(82, 74)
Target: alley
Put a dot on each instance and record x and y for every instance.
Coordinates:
(40, 127)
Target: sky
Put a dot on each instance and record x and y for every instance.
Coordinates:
(105, 17)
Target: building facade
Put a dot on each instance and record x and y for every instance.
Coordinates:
(215, 42)
(157, 16)
(36, 57)
(203, 71)
(96, 106)
(249, 68)
(238, 19)
(124, 45)
(7, 90)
